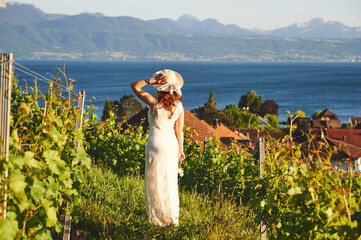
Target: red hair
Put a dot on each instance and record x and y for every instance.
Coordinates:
(168, 100)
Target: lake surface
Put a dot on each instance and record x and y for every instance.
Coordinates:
(294, 86)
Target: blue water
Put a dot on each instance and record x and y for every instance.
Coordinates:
(294, 86)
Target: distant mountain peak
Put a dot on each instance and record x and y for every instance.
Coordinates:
(188, 17)
(316, 21)
(97, 14)
(16, 3)
(313, 22)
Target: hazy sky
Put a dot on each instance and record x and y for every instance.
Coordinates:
(263, 14)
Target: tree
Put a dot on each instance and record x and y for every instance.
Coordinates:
(211, 99)
(210, 114)
(273, 123)
(316, 114)
(252, 101)
(108, 107)
(241, 118)
(127, 107)
(269, 107)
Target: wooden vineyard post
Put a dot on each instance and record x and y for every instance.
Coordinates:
(5, 103)
(261, 162)
(78, 124)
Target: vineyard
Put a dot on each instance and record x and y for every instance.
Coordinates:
(56, 167)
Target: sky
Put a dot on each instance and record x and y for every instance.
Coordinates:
(261, 14)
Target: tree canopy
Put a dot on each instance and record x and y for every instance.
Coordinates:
(108, 107)
(252, 101)
(211, 114)
(269, 107)
(125, 108)
(316, 114)
(241, 118)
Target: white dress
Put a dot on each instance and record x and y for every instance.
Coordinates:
(161, 167)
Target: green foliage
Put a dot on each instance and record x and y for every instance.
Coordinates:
(241, 118)
(108, 108)
(302, 196)
(213, 168)
(346, 125)
(302, 131)
(252, 101)
(300, 114)
(113, 208)
(316, 114)
(211, 99)
(45, 168)
(269, 107)
(211, 114)
(127, 107)
(273, 123)
(120, 149)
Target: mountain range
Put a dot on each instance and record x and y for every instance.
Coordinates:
(31, 33)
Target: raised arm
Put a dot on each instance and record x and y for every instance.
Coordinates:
(178, 128)
(147, 98)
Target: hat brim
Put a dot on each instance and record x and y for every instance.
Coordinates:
(179, 79)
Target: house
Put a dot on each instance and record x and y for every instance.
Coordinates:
(348, 136)
(354, 121)
(227, 136)
(346, 141)
(326, 119)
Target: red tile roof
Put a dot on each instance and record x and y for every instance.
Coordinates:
(327, 114)
(198, 128)
(223, 132)
(275, 135)
(252, 133)
(353, 151)
(350, 136)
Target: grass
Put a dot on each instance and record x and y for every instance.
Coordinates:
(113, 208)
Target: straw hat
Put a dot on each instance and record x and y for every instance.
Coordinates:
(172, 77)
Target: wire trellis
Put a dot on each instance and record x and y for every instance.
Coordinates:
(36, 75)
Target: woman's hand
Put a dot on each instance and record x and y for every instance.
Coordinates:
(181, 157)
(159, 79)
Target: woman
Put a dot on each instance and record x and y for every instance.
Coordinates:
(164, 146)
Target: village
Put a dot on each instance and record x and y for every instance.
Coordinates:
(325, 128)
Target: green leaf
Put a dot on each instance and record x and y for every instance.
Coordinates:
(29, 160)
(43, 234)
(17, 161)
(8, 227)
(295, 190)
(82, 156)
(297, 153)
(14, 138)
(54, 162)
(17, 182)
(37, 190)
(263, 203)
(50, 211)
(58, 137)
